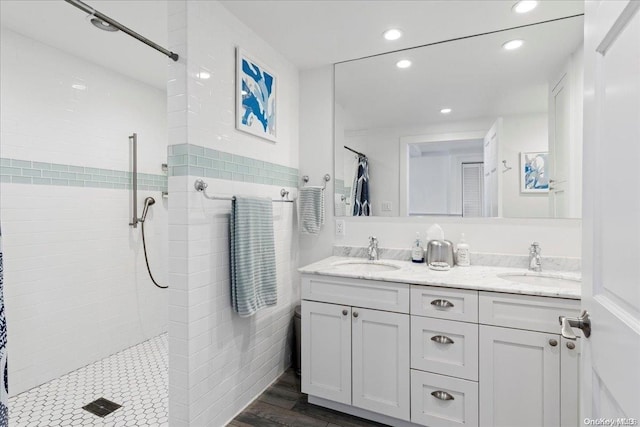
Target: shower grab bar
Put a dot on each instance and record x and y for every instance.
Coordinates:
(133, 139)
(201, 187)
(104, 18)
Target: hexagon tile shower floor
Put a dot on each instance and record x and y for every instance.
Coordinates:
(135, 378)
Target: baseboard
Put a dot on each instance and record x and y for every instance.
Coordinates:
(362, 413)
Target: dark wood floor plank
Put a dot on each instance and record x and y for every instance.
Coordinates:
(284, 416)
(283, 404)
(253, 420)
(278, 396)
(331, 416)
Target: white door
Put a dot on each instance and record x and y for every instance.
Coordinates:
(491, 180)
(611, 221)
(519, 378)
(326, 351)
(381, 376)
(559, 140)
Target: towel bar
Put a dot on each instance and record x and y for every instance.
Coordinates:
(201, 186)
(326, 178)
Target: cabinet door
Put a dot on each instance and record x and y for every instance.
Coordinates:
(569, 383)
(326, 351)
(519, 377)
(381, 377)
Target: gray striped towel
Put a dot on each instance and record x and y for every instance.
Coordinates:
(311, 205)
(253, 259)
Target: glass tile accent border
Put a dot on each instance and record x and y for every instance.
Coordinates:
(14, 171)
(189, 159)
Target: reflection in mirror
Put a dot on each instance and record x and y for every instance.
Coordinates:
(470, 129)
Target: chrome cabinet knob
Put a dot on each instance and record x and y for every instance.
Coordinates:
(571, 345)
(345, 312)
(355, 314)
(553, 342)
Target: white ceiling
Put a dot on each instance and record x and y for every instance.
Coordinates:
(58, 24)
(320, 32)
(308, 33)
(475, 77)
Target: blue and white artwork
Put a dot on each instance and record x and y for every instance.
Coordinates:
(533, 173)
(256, 98)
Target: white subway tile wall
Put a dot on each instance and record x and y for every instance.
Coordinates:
(76, 286)
(218, 361)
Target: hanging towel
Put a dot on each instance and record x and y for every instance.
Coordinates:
(361, 204)
(4, 386)
(311, 201)
(253, 260)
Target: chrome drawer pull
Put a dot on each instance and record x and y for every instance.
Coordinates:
(442, 303)
(441, 339)
(442, 395)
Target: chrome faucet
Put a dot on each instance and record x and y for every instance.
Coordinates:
(373, 249)
(535, 262)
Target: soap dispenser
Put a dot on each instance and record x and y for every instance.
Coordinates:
(417, 251)
(462, 253)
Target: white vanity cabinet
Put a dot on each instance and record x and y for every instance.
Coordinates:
(357, 355)
(417, 355)
(528, 373)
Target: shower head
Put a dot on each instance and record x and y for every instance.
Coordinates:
(147, 202)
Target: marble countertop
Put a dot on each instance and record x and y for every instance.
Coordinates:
(482, 278)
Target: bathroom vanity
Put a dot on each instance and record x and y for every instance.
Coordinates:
(396, 343)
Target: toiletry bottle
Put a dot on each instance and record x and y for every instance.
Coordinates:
(462, 253)
(417, 251)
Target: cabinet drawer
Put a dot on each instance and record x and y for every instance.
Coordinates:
(386, 296)
(444, 303)
(525, 311)
(445, 347)
(426, 409)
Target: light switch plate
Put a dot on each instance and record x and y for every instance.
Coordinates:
(340, 227)
(386, 207)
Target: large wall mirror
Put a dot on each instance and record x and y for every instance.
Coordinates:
(470, 128)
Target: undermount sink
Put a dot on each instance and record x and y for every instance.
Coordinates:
(362, 266)
(546, 280)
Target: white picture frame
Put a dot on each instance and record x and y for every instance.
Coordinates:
(256, 97)
(534, 177)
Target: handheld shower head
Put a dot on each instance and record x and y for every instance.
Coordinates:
(147, 202)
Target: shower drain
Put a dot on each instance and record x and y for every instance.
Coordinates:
(101, 407)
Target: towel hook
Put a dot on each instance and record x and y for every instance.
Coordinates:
(506, 168)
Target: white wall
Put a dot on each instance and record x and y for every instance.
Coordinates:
(218, 361)
(76, 286)
(509, 236)
(522, 133)
(317, 153)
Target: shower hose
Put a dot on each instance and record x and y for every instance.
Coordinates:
(146, 260)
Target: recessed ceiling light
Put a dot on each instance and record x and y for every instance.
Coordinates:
(524, 6)
(79, 86)
(513, 44)
(392, 34)
(403, 63)
(445, 110)
(203, 75)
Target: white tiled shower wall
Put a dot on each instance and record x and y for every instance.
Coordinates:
(218, 361)
(76, 286)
